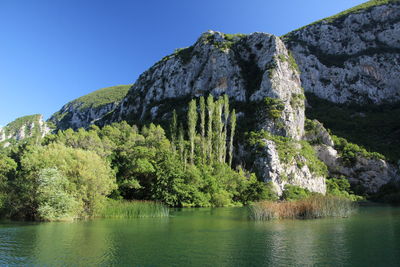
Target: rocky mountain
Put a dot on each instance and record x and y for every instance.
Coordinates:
(23, 127)
(353, 56)
(350, 58)
(248, 68)
(89, 108)
(259, 75)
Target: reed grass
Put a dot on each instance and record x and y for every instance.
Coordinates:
(133, 209)
(317, 206)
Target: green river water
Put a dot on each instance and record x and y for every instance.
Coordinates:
(207, 237)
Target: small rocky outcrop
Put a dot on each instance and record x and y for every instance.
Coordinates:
(353, 56)
(86, 110)
(271, 168)
(368, 172)
(315, 133)
(24, 127)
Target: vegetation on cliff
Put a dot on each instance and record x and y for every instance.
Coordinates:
(374, 127)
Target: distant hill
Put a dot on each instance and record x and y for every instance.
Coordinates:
(89, 108)
(24, 127)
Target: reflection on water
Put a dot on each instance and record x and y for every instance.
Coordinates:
(207, 237)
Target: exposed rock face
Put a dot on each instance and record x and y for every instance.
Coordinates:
(316, 133)
(272, 169)
(86, 110)
(248, 68)
(74, 116)
(370, 173)
(353, 58)
(24, 127)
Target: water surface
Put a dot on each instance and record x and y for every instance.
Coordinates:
(207, 237)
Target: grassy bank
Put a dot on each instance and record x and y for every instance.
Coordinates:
(133, 209)
(310, 208)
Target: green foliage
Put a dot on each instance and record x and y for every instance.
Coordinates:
(149, 167)
(271, 67)
(233, 37)
(293, 192)
(192, 122)
(94, 100)
(228, 41)
(340, 187)
(340, 16)
(273, 107)
(185, 54)
(367, 5)
(54, 200)
(291, 61)
(90, 179)
(7, 169)
(314, 164)
(375, 127)
(349, 151)
(27, 125)
(132, 209)
(312, 129)
(297, 100)
(102, 96)
(18, 123)
(232, 134)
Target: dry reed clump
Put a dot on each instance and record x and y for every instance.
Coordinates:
(310, 208)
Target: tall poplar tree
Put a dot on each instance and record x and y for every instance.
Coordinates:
(232, 134)
(174, 128)
(225, 130)
(192, 122)
(210, 111)
(181, 142)
(217, 129)
(203, 128)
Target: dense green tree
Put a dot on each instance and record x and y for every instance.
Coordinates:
(217, 130)
(7, 169)
(210, 112)
(203, 128)
(54, 197)
(90, 179)
(225, 129)
(174, 128)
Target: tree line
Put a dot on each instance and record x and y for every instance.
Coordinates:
(71, 174)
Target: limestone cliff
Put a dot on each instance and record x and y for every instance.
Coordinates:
(353, 56)
(248, 68)
(364, 170)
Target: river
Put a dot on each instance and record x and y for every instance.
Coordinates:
(207, 237)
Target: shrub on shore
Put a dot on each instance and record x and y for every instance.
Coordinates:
(316, 206)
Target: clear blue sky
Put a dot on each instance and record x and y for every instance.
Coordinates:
(53, 51)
